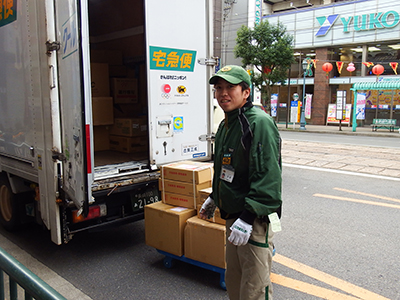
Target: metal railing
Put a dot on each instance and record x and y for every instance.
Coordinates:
(35, 288)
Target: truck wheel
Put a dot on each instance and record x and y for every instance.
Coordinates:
(8, 206)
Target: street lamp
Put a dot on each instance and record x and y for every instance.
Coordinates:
(304, 66)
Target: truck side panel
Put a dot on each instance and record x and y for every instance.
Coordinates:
(20, 85)
(25, 128)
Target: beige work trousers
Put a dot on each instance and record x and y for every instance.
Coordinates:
(248, 267)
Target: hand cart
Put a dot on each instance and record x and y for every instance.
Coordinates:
(169, 262)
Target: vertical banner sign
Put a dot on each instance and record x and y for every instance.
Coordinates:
(307, 108)
(340, 105)
(299, 105)
(258, 12)
(360, 106)
(274, 104)
(294, 107)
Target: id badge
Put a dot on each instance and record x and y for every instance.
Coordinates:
(227, 173)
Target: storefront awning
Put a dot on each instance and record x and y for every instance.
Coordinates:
(386, 85)
(365, 86)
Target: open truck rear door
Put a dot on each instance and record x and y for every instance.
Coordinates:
(74, 92)
(178, 46)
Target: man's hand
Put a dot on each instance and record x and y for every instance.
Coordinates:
(207, 209)
(241, 232)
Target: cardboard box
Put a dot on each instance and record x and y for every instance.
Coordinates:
(101, 137)
(217, 216)
(130, 127)
(203, 194)
(179, 200)
(188, 171)
(182, 188)
(129, 144)
(125, 90)
(164, 226)
(205, 242)
(100, 80)
(102, 111)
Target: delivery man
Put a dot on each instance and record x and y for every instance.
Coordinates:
(246, 185)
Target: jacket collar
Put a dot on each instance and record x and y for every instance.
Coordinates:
(232, 116)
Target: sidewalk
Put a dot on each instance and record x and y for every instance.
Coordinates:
(334, 129)
(54, 280)
(377, 161)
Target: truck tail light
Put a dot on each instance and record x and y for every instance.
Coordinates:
(95, 211)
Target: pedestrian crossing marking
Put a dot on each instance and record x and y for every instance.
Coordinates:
(358, 292)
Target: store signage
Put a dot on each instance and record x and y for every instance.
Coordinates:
(258, 12)
(364, 22)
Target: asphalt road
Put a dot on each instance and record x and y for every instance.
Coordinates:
(339, 241)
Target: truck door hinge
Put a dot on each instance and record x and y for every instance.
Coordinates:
(207, 137)
(213, 61)
(52, 46)
(58, 155)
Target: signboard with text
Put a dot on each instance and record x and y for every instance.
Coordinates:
(340, 105)
(331, 115)
(341, 23)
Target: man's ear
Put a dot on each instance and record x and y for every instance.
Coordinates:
(246, 93)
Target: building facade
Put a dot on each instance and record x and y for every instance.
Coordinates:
(352, 36)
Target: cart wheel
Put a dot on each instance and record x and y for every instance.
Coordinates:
(168, 262)
(222, 281)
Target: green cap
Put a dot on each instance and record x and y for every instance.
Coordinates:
(233, 74)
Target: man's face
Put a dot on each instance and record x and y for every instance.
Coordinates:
(230, 96)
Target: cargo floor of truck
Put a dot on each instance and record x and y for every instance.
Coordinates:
(169, 262)
(109, 157)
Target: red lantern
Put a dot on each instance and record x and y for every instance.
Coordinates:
(327, 67)
(378, 70)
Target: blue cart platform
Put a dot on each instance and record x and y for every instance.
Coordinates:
(169, 262)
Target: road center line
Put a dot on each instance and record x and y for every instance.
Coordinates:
(368, 195)
(357, 200)
(309, 289)
(323, 277)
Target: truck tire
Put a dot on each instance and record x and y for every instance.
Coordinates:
(9, 215)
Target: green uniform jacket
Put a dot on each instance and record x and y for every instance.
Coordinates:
(257, 180)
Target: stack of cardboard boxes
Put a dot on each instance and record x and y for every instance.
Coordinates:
(173, 225)
(116, 113)
(102, 106)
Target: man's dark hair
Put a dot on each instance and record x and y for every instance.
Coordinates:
(245, 86)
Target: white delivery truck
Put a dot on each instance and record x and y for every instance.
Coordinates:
(71, 158)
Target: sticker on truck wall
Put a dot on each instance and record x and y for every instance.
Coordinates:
(178, 124)
(69, 37)
(8, 12)
(190, 149)
(172, 59)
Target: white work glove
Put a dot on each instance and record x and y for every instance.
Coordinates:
(241, 232)
(207, 209)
